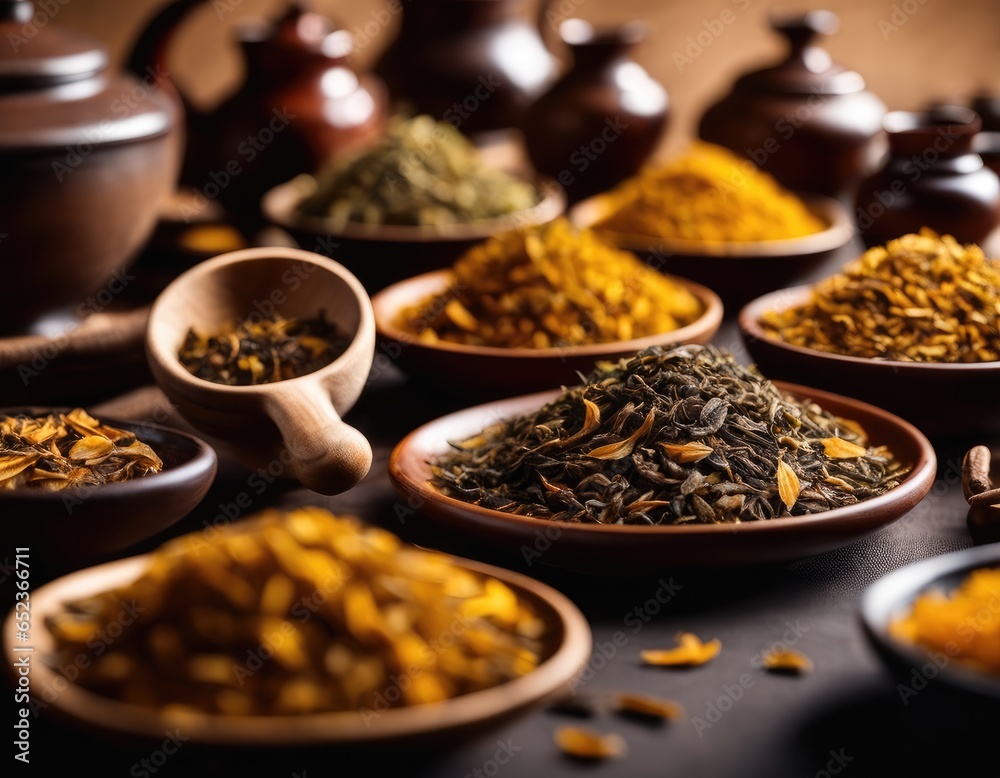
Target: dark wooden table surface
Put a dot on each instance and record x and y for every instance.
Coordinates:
(846, 717)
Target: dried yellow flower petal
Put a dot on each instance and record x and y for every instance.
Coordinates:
(686, 452)
(788, 484)
(838, 448)
(588, 744)
(623, 448)
(653, 707)
(788, 661)
(690, 652)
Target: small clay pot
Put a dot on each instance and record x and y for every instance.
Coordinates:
(932, 177)
(290, 427)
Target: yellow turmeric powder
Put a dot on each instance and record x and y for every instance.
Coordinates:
(708, 194)
(550, 286)
(965, 625)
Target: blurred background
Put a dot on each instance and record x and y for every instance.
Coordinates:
(909, 51)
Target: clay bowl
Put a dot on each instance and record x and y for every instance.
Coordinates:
(382, 254)
(502, 372)
(627, 550)
(566, 651)
(939, 398)
(290, 427)
(737, 272)
(936, 690)
(78, 526)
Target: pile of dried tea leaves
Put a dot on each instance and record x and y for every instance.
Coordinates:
(919, 298)
(669, 437)
(422, 173)
(68, 451)
(708, 194)
(550, 286)
(261, 350)
(297, 613)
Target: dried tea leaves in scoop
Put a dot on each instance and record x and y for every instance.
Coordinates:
(263, 350)
(68, 451)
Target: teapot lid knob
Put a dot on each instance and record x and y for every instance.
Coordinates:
(16, 10)
(800, 29)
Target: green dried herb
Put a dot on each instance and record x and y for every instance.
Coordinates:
(422, 172)
(669, 437)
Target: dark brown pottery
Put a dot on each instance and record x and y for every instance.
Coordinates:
(931, 177)
(988, 108)
(86, 157)
(75, 527)
(630, 549)
(940, 398)
(598, 123)
(477, 64)
(299, 104)
(806, 120)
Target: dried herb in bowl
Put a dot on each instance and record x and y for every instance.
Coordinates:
(69, 451)
(550, 286)
(422, 173)
(297, 613)
(919, 298)
(669, 437)
(261, 350)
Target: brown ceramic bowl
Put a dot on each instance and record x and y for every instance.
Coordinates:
(382, 254)
(79, 526)
(629, 549)
(290, 427)
(501, 372)
(737, 272)
(940, 398)
(566, 651)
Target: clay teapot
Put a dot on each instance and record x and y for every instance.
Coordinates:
(478, 64)
(601, 120)
(87, 156)
(806, 120)
(299, 104)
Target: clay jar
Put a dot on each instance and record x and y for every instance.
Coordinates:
(807, 121)
(599, 123)
(478, 64)
(930, 178)
(87, 156)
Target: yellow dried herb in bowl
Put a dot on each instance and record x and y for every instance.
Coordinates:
(550, 286)
(707, 194)
(296, 613)
(919, 298)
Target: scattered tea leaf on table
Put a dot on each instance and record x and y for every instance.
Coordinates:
(690, 652)
(588, 744)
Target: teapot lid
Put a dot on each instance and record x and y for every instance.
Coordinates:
(808, 69)
(40, 56)
(299, 29)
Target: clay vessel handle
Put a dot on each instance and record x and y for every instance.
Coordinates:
(151, 48)
(327, 455)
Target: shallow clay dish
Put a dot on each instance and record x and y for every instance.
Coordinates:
(569, 649)
(501, 372)
(629, 549)
(940, 398)
(80, 525)
(295, 425)
(940, 690)
(737, 272)
(381, 254)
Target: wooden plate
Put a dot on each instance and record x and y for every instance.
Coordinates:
(618, 549)
(507, 371)
(569, 649)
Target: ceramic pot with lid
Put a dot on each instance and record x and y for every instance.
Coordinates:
(809, 122)
(87, 156)
(932, 177)
(598, 123)
(300, 103)
(477, 64)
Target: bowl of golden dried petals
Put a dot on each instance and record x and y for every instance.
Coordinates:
(533, 309)
(912, 327)
(299, 628)
(81, 487)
